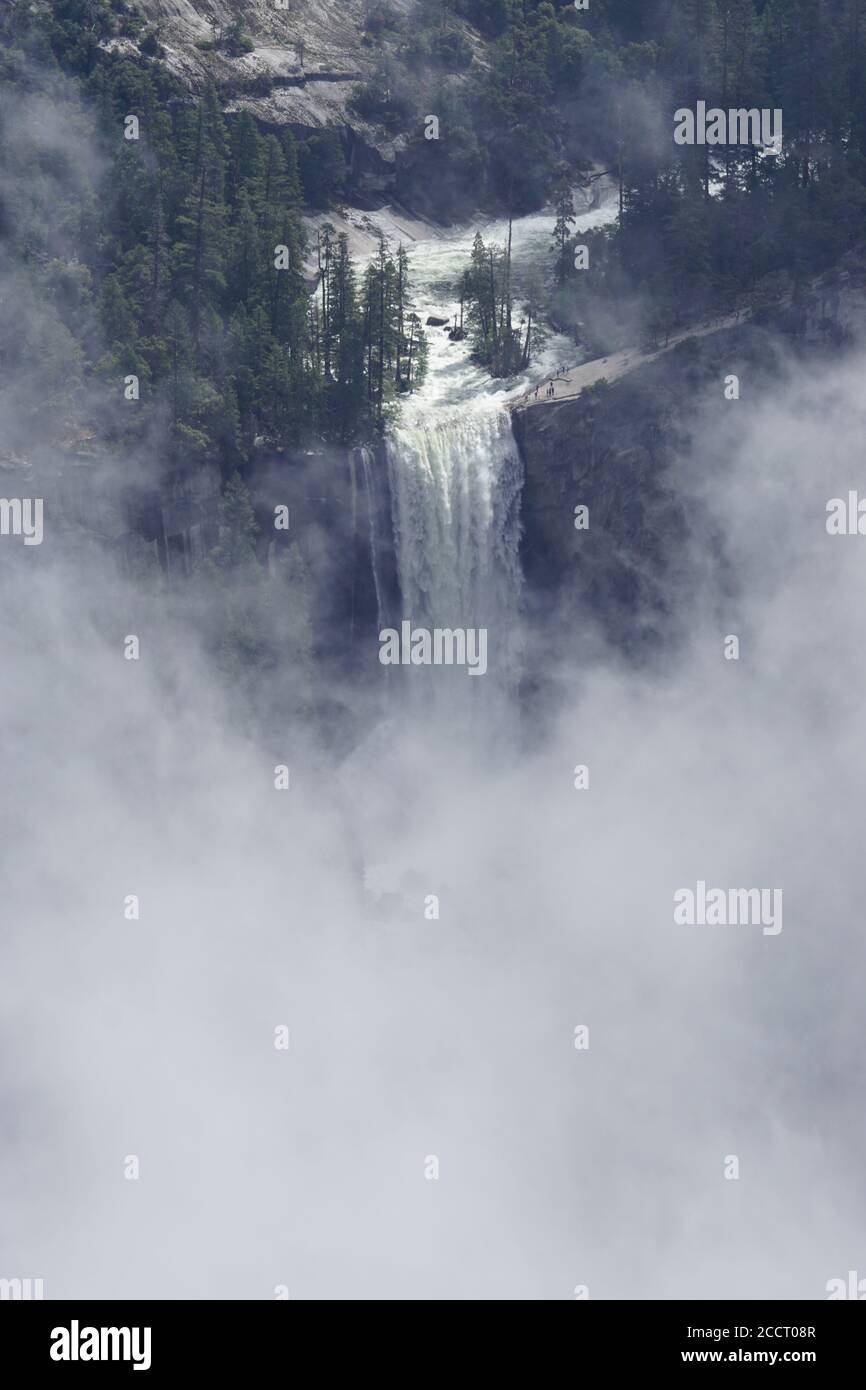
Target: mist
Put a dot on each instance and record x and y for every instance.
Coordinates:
(452, 1037)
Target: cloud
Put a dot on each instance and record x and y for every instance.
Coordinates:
(451, 1037)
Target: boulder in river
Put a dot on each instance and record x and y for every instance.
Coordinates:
(437, 323)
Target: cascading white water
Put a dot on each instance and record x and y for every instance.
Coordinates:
(455, 479)
(365, 458)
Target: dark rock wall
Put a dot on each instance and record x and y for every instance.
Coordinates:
(340, 520)
(609, 450)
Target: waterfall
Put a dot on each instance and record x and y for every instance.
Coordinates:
(455, 478)
(454, 469)
(365, 457)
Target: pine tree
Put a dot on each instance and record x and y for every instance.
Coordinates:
(245, 168)
(347, 348)
(201, 234)
(245, 278)
(237, 528)
(289, 145)
(275, 193)
(562, 236)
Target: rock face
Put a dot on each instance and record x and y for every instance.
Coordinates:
(607, 451)
(305, 46)
(304, 61)
(340, 518)
(167, 524)
(177, 523)
(297, 65)
(364, 230)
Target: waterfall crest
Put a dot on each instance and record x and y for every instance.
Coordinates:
(455, 480)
